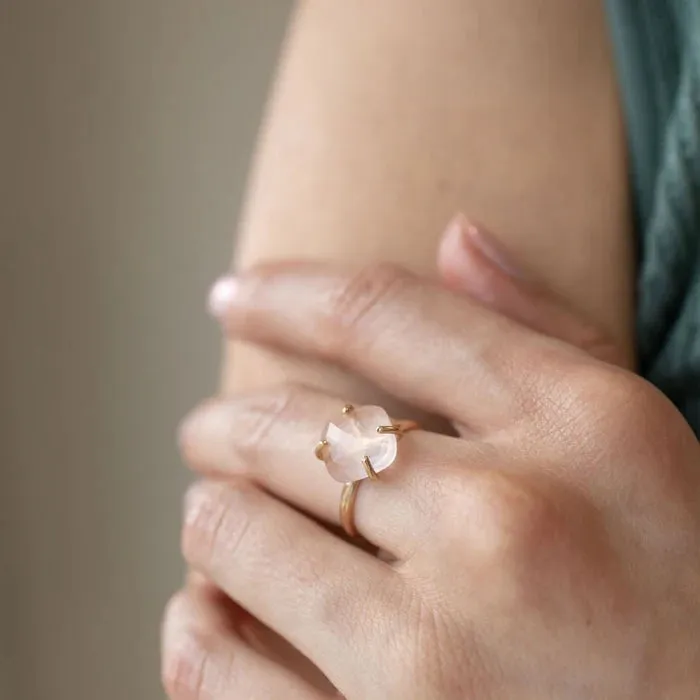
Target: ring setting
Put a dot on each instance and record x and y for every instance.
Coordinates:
(361, 444)
(358, 446)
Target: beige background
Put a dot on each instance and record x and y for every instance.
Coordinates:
(125, 133)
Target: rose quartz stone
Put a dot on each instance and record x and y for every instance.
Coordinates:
(354, 437)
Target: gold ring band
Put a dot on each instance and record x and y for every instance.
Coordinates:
(348, 496)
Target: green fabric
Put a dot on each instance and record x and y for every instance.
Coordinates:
(657, 46)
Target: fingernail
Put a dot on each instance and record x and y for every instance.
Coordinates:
(198, 505)
(452, 243)
(490, 247)
(221, 296)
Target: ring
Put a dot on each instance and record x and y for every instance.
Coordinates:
(347, 507)
(361, 445)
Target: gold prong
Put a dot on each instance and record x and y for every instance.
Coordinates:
(348, 408)
(369, 469)
(388, 429)
(321, 450)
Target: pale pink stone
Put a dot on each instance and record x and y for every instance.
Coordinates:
(354, 437)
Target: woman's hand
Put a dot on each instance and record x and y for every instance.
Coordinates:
(551, 552)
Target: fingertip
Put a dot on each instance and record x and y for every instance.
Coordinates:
(194, 429)
(222, 296)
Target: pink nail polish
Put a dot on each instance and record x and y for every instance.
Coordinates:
(222, 296)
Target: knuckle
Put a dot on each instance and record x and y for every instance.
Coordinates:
(514, 519)
(530, 525)
(611, 400)
(610, 388)
(640, 415)
(216, 522)
(631, 396)
(233, 435)
(352, 310)
(591, 398)
(262, 416)
(631, 417)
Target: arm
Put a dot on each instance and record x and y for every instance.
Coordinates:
(388, 117)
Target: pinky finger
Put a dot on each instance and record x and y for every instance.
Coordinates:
(201, 662)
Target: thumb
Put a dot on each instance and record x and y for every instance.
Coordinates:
(471, 261)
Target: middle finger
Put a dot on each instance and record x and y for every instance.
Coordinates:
(416, 340)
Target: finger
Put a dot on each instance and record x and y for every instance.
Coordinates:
(472, 261)
(216, 611)
(270, 436)
(305, 584)
(201, 662)
(415, 339)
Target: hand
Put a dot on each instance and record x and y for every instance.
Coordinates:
(552, 552)
(472, 262)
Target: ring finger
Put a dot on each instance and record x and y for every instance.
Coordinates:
(270, 437)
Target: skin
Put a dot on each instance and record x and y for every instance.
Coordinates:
(386, 118)
(550, 550)
(471, 261)
(495, 126)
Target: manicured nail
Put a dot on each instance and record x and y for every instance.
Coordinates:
(490, 247)
(454, 245)
(222, 296)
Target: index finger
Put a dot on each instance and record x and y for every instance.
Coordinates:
(416, 340)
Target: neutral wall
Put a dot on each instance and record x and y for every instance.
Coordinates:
(125, 133)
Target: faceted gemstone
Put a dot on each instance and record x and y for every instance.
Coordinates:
(353, 437)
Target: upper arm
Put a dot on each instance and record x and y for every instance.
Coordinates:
(388, 117)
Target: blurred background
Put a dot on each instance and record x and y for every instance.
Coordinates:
(126, 130)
